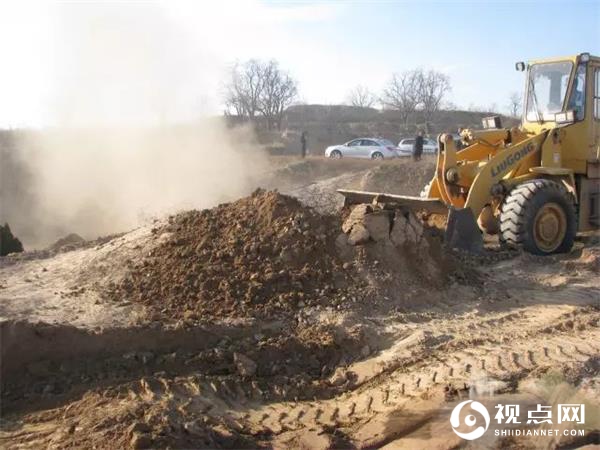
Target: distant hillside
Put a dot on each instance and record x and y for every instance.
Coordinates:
(334, 124)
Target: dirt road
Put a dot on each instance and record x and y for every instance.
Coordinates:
(376, 368)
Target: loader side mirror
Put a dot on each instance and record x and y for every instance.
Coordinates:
(520, 66)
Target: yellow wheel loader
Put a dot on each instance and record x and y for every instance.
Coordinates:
(536, 184)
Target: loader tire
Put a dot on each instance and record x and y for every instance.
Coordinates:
(538, 216)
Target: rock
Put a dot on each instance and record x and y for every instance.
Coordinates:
(378, 224)
(356, 217)
(139, 441)
(416, 224)
(358, 235)
(245, 366)
(398, 233)
(407, 228)
(365, 351)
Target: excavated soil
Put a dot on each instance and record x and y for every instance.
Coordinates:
(263, 323)
(528, 339)
(267, 256)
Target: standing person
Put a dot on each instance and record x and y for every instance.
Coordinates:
(303, 140)
(418, 146)
(459, 145)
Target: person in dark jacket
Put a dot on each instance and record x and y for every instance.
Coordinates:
(418, 146)
(303, 142)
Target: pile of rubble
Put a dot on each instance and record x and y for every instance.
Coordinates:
(262, 255)
(268, 255)
(393, 235)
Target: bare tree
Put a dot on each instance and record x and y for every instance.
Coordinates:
(362, 97)
(256, 87)
(279, 91)
(514, 104)
(244, 89)
(402, 93)
(433, 87)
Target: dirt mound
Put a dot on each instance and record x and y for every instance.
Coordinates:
(263, 256)
(257, 256)
(8, 242)
(69, 242)
(407, 178)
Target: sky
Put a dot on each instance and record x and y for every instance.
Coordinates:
(78, 63)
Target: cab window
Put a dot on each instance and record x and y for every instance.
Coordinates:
(577, 100)
(547, 89)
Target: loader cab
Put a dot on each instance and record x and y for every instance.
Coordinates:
(547, 90)
(565, 93)
(557, 86)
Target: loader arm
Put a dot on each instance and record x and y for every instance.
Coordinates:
(505, 161)
(465, 178)
(465, 181)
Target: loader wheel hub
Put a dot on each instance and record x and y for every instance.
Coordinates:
(549, 227)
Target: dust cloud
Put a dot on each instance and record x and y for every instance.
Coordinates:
(128, 136)
(99, 181)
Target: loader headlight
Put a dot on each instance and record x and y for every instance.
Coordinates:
(584, 57)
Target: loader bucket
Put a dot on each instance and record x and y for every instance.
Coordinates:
(431, 205)
(462, 231)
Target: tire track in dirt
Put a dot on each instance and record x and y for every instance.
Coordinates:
(496, 368)
(486, 353)
(455, 350)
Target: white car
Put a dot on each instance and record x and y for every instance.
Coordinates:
(370, 148)
(405, 146)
